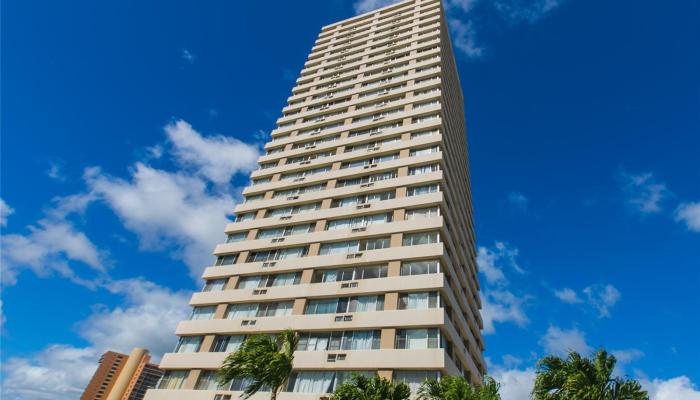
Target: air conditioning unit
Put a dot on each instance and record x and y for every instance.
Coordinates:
(319, 119)
(299, 179)
(305, 162)
(292, 198)
(259, 291)
(354, 230)
(309, 146)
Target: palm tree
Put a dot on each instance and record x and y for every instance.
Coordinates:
(360, 387)
(263, 359)
(458, 388)
(581, 378)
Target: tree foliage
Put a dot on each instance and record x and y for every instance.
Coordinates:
(360, 387)
(580, 378)
(458, 388)
(264, 360)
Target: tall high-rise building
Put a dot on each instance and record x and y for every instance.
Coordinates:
(357, 228)
(122, 377)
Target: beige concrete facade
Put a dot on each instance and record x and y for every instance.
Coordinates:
(361, 209)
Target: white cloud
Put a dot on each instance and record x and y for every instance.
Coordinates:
(61, 372)
(516, 384)
(218, 158)
(530, 11)
(464, 37)
(55, 171)
(5, 211)
(188, 56)
(559, 341)
(678, 388)
(167, 210)
(51, 246)
(491, 262)
(624, 357)
(689, 213)
(602, 297)
(502, 306)
(518, 200)
(363, 6)
(644, 193)
(568, 296)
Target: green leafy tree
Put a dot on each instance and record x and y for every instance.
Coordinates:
(264, 360)
(458, 388)
(360, 387)
(581, 378)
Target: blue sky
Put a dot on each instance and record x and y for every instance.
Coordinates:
(129, 128)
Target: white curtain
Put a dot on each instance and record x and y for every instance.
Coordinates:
(417, 301)
(361, 340)
(414, 379)
(283, 309)
(313, 382)
(234, 343)
(172, 380)
(367, 303)
(249, 282)
(188, 344)
(201, 313)
(284, 279)
(295, 252)
(417, 339)
(242, 311)
(325, 306)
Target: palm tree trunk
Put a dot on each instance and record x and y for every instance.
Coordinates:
(273, 393)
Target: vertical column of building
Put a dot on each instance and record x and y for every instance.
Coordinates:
(357, 230)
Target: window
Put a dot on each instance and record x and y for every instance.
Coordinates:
(304, 173)
(423, 169)
(345, 305)
(417, 338)
(285, 231)
(227, 344)
(261, 181)
(172, 379)
(214, 285)
(268, 165)
(418, 301)
(279, 254)
(361, 221)
(366, 179)
(245, 217)
(417, 213)
(202, 313)
(418, 190)
(299, 191)
(363, 199)
(275, 280)
(310, 157)
(320, 381)
(414, 379)
(208, 381)
(349, 274)
(348, 340)
(236, 237)
(284, 211)
(415, 239)
(369, 161)
(420, 267)
(254, 198)
(226, 260)
(353, 246)
(188, 344)
(424, 151)
(249, 310)
(416, 135)
(374, 144)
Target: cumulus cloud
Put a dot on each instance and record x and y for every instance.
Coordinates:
(516, 384)
(51, 246)
(5, 211)
(559, 341)
(567, 295)
(678, 388)
(147, 319)
(624, 357)
(599, 296)
(644, 193)
(518, 200)
(602, 297)
(168, 210)
(464, 37)
(55, 171)
(502, 306)
(492, 262)
(363, 6)
(218, 158)
(689, 214)
(188, 56)
(529, 11)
